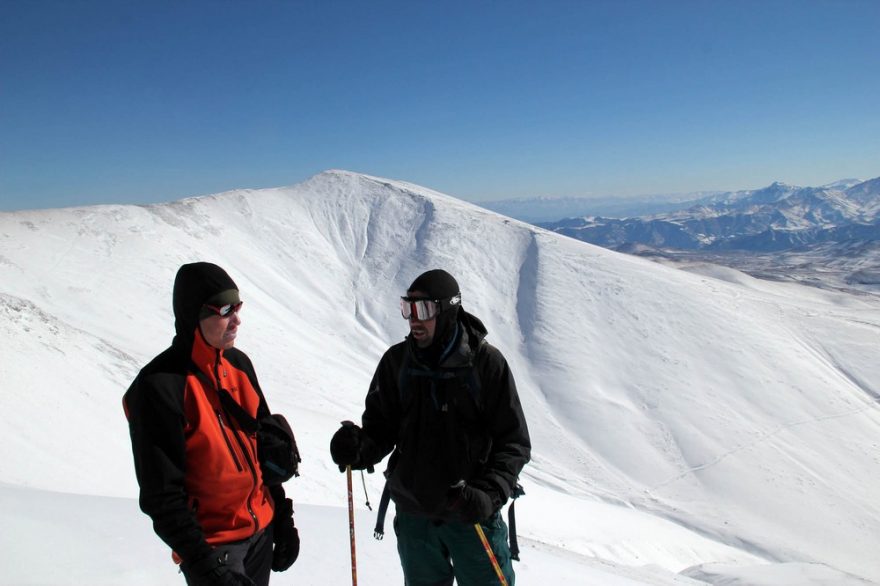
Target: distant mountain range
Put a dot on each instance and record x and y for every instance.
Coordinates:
(777, 217)
(826, 236)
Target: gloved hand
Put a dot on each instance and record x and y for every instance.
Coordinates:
(213, 571)
(285, 536)
(345, 446)
(473, 504)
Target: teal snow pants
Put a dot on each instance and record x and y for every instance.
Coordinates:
(432, 553)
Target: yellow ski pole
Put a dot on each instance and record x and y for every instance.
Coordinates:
(491, 555)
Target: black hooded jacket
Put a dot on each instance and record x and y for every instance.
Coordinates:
(460, 419)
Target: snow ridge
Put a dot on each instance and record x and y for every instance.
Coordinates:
(677, 419)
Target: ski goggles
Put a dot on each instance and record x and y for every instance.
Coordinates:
(422, 309)
(224, 310)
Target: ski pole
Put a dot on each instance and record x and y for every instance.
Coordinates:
(354, 579)
(491, 555)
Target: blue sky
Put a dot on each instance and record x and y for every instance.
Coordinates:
(138, 102)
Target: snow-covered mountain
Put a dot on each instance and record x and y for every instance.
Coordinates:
(777, 217)
(688, 427)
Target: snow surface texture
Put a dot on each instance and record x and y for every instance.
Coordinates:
(687, 428)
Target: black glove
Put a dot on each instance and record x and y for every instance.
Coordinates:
(345, 447)
(213, 571)
(474, 505)
(285, 536)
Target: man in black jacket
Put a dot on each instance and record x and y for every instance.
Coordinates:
(444, 400)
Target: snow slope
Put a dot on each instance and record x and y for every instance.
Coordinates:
(710, 424)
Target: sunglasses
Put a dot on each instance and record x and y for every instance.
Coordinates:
(225, 310)
(425, 309)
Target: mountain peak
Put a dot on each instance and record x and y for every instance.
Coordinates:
(841, 184)
(780, 186)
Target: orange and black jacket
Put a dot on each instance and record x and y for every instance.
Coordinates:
(199, 476)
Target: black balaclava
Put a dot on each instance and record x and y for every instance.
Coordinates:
(438, 284)
(195, 285)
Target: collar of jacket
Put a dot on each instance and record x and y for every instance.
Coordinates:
(206, 357)
(472, 332)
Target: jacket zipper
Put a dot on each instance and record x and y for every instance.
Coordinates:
(242, 446)
(223, 430)
(253, 470)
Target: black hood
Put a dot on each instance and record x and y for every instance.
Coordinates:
(459, 345)
(474, 327)
(195, 284)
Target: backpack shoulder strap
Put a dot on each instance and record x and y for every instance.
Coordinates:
(247, 423)
(403, 375)
(511, 522)
(379, 529)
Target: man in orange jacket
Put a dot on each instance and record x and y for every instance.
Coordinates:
(199, 476)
